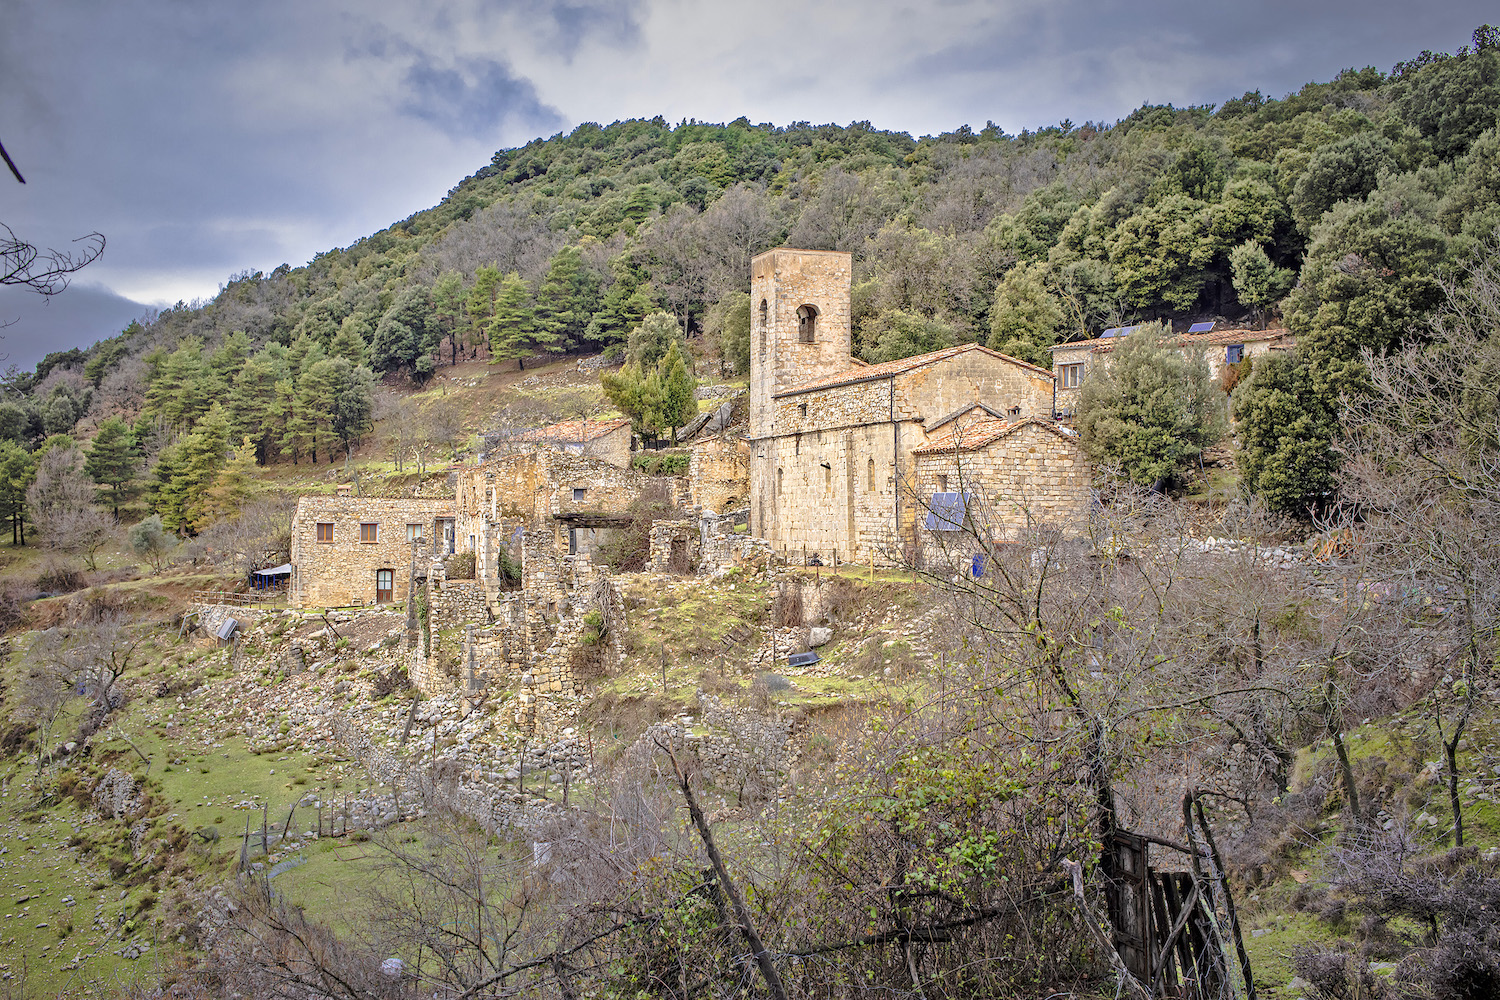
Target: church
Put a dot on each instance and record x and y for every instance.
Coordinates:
(851, 462)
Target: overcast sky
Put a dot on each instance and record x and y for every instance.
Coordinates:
(207, 138)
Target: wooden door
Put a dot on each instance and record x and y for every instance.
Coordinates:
(384, 584)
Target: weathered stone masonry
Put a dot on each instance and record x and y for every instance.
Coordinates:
(362, 538)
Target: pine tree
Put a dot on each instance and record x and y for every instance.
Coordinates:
(1026, 317)
(448, 311)
(512, 326)
(352, 342)
(251, 403)
(17, 470)
(232, 486)
(112, 461)
(194, 467)
(677, 404)
(182, 388)
(566, 301)
(226, 361)
(481, 303)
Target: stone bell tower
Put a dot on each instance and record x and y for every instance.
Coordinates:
(799, 325)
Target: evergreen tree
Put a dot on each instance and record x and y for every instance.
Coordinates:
(729, 322)
(627, 302)
(566, 301)
(182, 389)
(1025, 318)
(405, 338)
(481, 304)
(1286, 425)
(352, 342)
(354, 406)
(675, 403)
(226, 361)
(1148, 410)
(652, 341)
(192, 468)
(233, 485)
(251, 403)
(1257, 282)
(512, 328)
(17, 470)
(448, 312)
(112, 461)
(896, 334)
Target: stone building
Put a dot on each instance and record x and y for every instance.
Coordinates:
(358, 550)
(1072, 362)
(607, 440)
(575, 500)
(833, 442)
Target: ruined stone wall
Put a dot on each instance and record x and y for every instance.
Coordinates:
(719, 474)
(785, 280)
(1035, 475)
(342, 572)
(533, 490)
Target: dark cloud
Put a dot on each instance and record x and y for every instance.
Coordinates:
(473, 96)
(77, 317)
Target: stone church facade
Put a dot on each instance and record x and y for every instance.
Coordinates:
(841, 452)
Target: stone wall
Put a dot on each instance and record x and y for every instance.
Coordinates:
(781, 281)
(837, 482)
(547, 490)
(1035, 475)
(343, 572)
(675, 547)
(719, 474)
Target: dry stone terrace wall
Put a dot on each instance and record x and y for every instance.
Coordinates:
(343, 571)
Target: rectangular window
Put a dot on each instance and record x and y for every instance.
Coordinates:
(1072, 376)
(1234, 354)
(325, 531)
(369, 532)
(416, 532)
(579, 493)
(942, 484)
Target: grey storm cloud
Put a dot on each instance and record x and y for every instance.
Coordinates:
(474, 95)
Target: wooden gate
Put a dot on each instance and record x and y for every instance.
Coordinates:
(1163, 926)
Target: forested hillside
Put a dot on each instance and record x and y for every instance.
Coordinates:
(1342, 207)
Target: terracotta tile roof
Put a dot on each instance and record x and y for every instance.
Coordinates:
(976, 434)
(1215, 339)
(571, 431)
(868, 373)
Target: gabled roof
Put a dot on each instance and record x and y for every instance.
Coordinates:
(980, 434)
(570, 431)
(870, 373)
(966, 409)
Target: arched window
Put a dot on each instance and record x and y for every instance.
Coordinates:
(870, 475)
(778, 481)
(807, 321)
(765, 312)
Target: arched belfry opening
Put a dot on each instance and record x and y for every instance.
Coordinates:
(765, 314)
(807, 322)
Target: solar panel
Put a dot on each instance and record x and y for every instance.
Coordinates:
(1113, 331)
(1201, 328)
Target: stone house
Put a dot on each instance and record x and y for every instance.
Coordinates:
(358, 550)
(575, 500)
(1072, 362)
(834, 443)
(607, 440)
